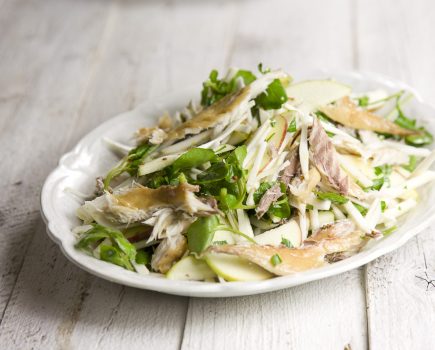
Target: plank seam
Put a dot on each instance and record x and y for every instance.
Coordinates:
(82, 101)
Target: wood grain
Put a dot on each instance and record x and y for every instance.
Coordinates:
(42, 82)
(320, 315)
(399, 286)
(65, 67)
(64, 309)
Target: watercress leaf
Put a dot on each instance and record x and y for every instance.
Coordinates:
(273, 97)
(194, 158)
(98, 233)
(143, 257)
(280, 209)
(214, 88)
(238, 156)
(245, 75)
(130, 163)
(226, 200)
(115, 256)
(217, 171)
(377, 184)
(420, 139)
(333, 197)
(404, 121)
(200, 233)
(360, 208)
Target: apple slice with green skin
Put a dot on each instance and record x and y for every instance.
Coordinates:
(289, 231)
(309, 95)
(325, 217)
(190, 269)
(234, 268)
(277, 136)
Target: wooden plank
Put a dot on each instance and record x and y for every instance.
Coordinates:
(320, 315)
(327, 314)
(46, 61)
(395, 39)
(81, 311)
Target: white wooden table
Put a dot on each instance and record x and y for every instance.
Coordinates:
(66, 66)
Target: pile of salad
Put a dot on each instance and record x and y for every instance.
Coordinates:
(265, 177)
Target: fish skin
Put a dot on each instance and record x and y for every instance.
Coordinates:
(334, 238)
(168, 252)
(347, 113)
(324, 157)
(268, 198)
(291, 170)
(217, 113)
(222, 111)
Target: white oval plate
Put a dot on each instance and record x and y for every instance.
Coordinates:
(90, 158)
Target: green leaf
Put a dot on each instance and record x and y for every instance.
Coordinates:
(274, 96)
(98, 232)
(115, 256)
(264, 186)
(419, 140)
(404, 121)
(143, 257)
(360, 208)
(292, 126)
(286, 242)
(193, 158)
(275, 260)
(238, 156)
(377, 184)
(227, 201)
(333, 197)
(214, 88)
(130, 163)
(384, 171)
(200, 233)
(246, 76)
(383, 206)
(280, 209)
(217, 172)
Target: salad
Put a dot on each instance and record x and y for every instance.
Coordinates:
(264, 177)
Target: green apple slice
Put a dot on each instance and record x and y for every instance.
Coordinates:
(190, 269)
(234, 268)
(325, 217)
(289, 231)
(309, 95)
